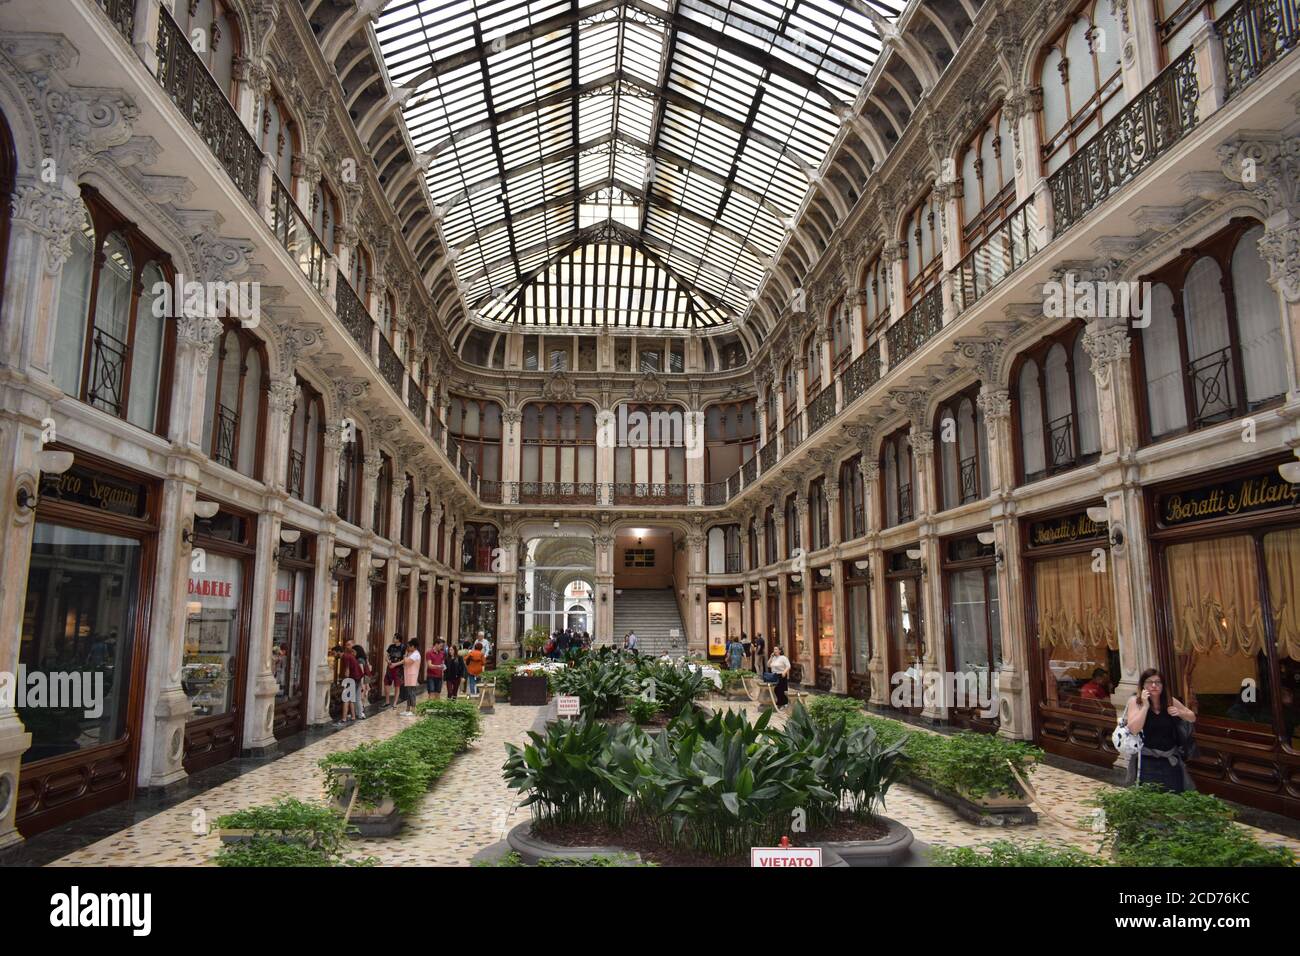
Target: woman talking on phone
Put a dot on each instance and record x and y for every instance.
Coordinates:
(1165, 724)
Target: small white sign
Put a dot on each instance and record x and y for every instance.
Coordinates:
(674, 632)
(805, 857)
(568, 706)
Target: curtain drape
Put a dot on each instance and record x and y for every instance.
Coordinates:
(1075, 606)
(1214, 593)
(1281, 550)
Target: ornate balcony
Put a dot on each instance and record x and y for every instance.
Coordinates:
(353, 315)
(557, 492)
(1141, 133)
(191, 87)
(918, 325)
(749, 471)
(767, 456)
(223, 451)
(791, 436)
(1256, 34)
(415, 399)
(490, 491)
(122, 13)
(731, 563)
(297, 473)
(861, 374)
(821, 408)
(648, 493)
(108, 372)
(390, 366)
(294, 232)
(715, 493)
(1011, 244)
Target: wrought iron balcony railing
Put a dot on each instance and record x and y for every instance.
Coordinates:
(649, 493)
(390, 366)
(918, 325)
(767, 456)
(415, 399)
(1136, 137)
(715, 493)
(1256, 34)
(1212, 394)
(108, 372)
(905, 510)
(791, 436)
(185, 79)
(295, 234)
(969, 476)
(297, 473)
(821, 408)
(731, 563)
(489, 490)
(353, 315)
(122, 13)
(1011, 244)
(223, 449)
(557, 492)
(1060, 443)
(749, 471)
(862, 373)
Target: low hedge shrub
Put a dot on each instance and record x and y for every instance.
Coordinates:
(291, 820)
(1003, 853)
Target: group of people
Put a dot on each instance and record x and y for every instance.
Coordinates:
(444, 664)
(562, 641)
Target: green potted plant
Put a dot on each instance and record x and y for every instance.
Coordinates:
(288, 820)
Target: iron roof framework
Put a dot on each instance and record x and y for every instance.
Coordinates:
(634, 163)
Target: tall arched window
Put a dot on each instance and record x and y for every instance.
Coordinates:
(1178, 20)
(359, 274)
(841, 336)
(477, 543)
(325, 216)
(407, 528)
(988, 178)
(790, 391)
(1056, 406)
(1214, 348)
(383, 497)
(819, 513)
(896, 479)
(773, 423)
(723, 545)
(853, 518)
(1081, 82)
(923, 233)
(279, 137)
(111, 350)
(875, 296)
(236, 386)
(558, 452)
(792, 530)
(305, 445)
(962, 462)
(651, 450)
(476, 424)
(730, 438)
(213, 31)
(812, 358)
(351, 457)
(769, 535)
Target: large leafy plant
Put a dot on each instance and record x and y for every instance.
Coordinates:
(676, 687)
(853, 765)
(601, 685)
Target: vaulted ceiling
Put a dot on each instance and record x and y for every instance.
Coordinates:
(631, 163)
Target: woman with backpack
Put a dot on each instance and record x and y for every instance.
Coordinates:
(1164, 726)
(454, 670)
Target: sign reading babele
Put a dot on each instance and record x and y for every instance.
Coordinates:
(1065, 529)
(94, 489)
(1227, 498)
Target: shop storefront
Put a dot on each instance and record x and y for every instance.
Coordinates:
(85, 628)
(772, 637)
(289, 642)
(857, 611)
(1072, 633)
(478, 612)
(724, 620)
(823, 644)
(402, 625)
(1226, 555)
(794, 626)
(216, 637)
(906, 617)
(973, 622)
(342, 605)
(378, 639)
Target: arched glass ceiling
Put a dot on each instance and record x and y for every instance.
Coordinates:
(546, 121)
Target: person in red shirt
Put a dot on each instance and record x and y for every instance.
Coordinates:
(1098, 688)
(435, 666)
(354, 672)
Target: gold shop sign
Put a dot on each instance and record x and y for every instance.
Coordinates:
(1064, 530)
(94, 489)
(1226, 499)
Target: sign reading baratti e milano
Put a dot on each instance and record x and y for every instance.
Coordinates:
(1063, 530)
(1227, 498)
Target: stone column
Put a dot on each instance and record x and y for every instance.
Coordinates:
(878, 664)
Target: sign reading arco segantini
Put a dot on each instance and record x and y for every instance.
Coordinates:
(1227, 498)
(1063, 530)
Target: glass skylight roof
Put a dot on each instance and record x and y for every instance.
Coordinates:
(584, 144)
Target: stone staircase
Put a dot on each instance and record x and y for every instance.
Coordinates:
(652, 614)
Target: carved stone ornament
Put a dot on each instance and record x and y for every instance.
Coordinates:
(1106, 345)
(649, 388)
(994, 403)
(559, 385)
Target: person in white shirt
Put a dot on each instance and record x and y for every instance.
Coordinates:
(779, 665)
(630, 641)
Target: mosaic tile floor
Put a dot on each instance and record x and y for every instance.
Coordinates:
(470, 807)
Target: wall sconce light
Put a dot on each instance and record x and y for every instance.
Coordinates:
(403, 571)
(203, 511)
(603, 597)
(424, 578)
(914, 553)
(378, 563)
(48, 462)
(1099, 514)
(290, 535)
(796, 578)
(555, 523)
(341, 552)
(862, 564)
(999, 557)
(753, 588)
(697, 597)
(986, 537)
(1290, 470)
(824, 572)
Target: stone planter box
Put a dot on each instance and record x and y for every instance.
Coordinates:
(531, 848)
(528, 691)
(381, 821)
(246, 836)
(890, 850)
(1001, 811)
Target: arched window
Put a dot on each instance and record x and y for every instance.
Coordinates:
(426, 527)
(853, 518)
(896, 474)
(232, 427)
(558, 452)
(651, 450)
(476, 424)
(1178, 20)
(790, 391)
(477, 543)
(841, 336)
(325, 216)
(791, 526)
(408, 513)
(730, 438)
(820, 515)
(1214, 348)
(213, 31)
(1056, 406)
(383, 497)
(279, 138)
(923, 233)
(305, 445)
(351, 456)
(359, 274)
(773, 422)
(988, 178)
(753, 544)
(962, 462)
(1081, 82)
(812, 358)
(875, 296)
(111, 350)
(724, 549)
(769, 535)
